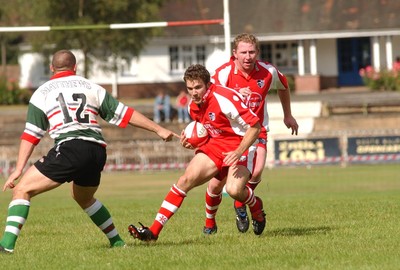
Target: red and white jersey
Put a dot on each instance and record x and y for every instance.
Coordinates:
(225, 116)
(263, 78)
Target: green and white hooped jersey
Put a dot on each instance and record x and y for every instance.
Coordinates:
(67, 107)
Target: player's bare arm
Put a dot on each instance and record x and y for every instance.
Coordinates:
(291, 123)
(141, 121)
(288, 119)
(248, 139)
(25, 151)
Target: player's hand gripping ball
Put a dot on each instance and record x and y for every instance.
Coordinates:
(196, 133)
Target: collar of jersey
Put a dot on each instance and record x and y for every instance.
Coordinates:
(63, 74)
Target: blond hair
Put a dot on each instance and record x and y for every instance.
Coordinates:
(247, 38)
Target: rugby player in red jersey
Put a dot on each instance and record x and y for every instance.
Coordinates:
(233, 128)
(253, 79)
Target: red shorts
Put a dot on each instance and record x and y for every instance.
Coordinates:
(262, 140)
(261, 143)
(214, 151)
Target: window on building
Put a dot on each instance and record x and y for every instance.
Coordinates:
(201, 55)
(293, 54)
(128, 69)
(266, 52)
(186, 56)
(181, 57)
(281, 54)
(174, 58)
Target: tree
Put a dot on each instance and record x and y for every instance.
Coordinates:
(106, 45)
(9, 41)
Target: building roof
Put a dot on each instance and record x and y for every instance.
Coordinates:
(285, 17)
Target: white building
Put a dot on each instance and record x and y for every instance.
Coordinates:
(320, 44)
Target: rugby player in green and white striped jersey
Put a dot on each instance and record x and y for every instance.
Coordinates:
(67, 107)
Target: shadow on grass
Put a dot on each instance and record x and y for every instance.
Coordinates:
(300, 231)
(287, 232)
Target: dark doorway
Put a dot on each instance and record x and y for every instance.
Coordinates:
(353, 54)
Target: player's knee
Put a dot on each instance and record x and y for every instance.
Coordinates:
(215, 186)
(19, 192)
(233, 191)
(84, 202)
(185, 183)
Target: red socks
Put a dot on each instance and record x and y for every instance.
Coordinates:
(212, 203)
(168, 208)
(252, 186)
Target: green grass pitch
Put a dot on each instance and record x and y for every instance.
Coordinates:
(318, 218)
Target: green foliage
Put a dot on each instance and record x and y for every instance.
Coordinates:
(388, 80)
(11, 93)
(105, 45)
(290, 79)
(10, 16)
(318, 218)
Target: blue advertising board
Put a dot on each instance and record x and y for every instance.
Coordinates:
(307, 151)
(374, 149)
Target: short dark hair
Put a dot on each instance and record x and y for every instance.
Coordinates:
(197, 72)
(63, 60)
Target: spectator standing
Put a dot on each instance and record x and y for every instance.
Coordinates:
(182, 102)
(396, 64)
(162, 106)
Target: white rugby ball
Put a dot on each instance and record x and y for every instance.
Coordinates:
(196, 133)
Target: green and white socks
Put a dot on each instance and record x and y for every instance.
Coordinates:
(18, 211)
(99, 214)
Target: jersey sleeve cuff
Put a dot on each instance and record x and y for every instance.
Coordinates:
(30, 138)
(127, 117)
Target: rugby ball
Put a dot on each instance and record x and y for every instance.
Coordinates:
(196, 133)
